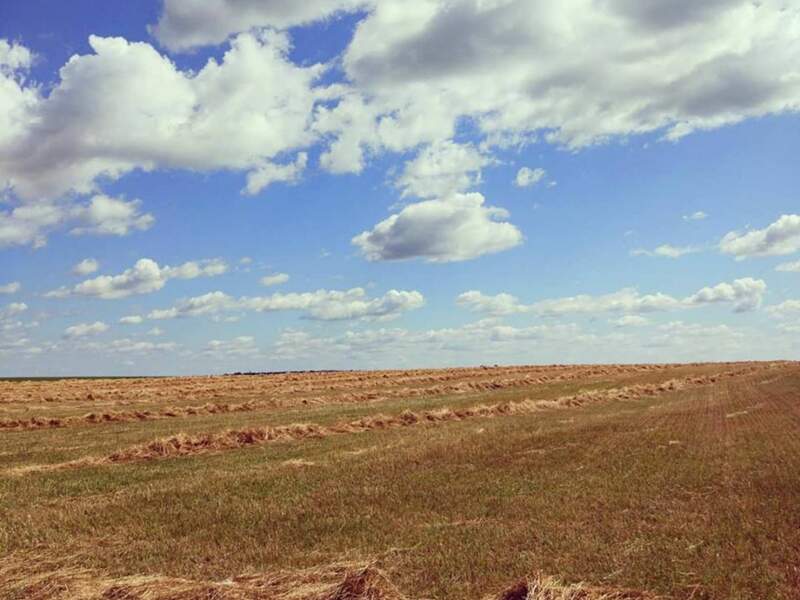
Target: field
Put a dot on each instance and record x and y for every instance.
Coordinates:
(506, 483)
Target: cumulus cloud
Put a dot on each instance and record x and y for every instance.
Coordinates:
(29, 224)
(630, 321)
(778, 239)
(667, 251)
(145, 277)
(527, 177)
(784, 310)
(442, 169)
(323, 305)
(13, 309)
(269, 173)
(127, 107)
(16, 97)
(457, 228)
(186, 24)
(789, 267)
(743, 294)
(498, 305)
(86, 267)
(110, 216)
(274, 279)
(10, 288)
(85, 329)
(573, 73)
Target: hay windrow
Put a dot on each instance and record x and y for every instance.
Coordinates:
(182, 444)
(448, 382)
(547, 588)
(51, 580)
(342, 581)
(244, 393)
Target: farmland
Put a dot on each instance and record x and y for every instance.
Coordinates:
(594, 481)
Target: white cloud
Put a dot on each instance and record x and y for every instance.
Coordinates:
(789, 267)
(126, 107)
(574, 73)
(499, 304)
(85, 329)
(269, 173)
(324, 305)
(527, 177)
(131, 320)
(571, 73)
(626, 300)
(129, 346)
(630, 321)
(156, 331)
(237, 347)
(10, 288)
(743, 294)
(442, 169)
(145, 277)
(680, 335)
(110, 216)
(274, 279)
(13, 309)
(16, 98)
(457, 228)
(186, 24)
(29, 224)
(485, 336)
(667, 251)
(785, 310)
(695, 216)
(790, 328)
(14, 57)
(207, 304)
(102, 215)
(86, 267)
(778, 239)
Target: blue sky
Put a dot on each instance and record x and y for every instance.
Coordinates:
(194, 187)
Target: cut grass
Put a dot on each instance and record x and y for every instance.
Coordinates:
(662, 495)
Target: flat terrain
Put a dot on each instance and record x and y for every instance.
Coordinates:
(619, 481)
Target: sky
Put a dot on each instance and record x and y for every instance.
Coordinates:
(208, 186)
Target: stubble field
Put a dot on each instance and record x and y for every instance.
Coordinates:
(512, 483)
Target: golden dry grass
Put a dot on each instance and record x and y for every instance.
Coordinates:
(609, 482)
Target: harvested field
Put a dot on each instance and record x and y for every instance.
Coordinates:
(508, 483)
